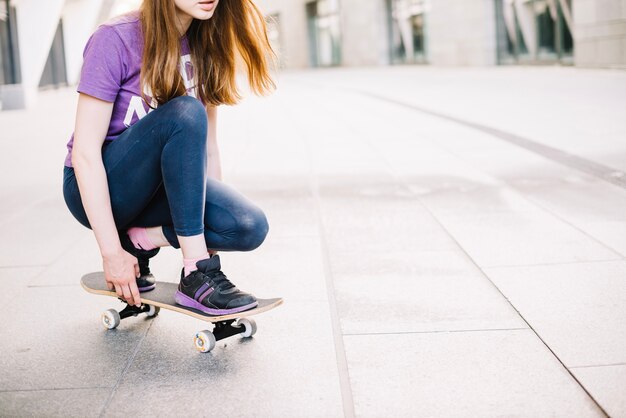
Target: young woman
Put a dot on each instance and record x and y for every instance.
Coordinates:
(143, 166)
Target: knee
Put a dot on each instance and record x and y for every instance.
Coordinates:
(189, 114)
(252, 230)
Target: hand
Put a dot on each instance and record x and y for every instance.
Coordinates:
(120, 272)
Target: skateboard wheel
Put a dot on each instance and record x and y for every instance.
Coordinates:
(153, 311)
(204, 341)
(249, 326)
(111, 318)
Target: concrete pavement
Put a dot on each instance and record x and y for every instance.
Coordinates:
(430, 266)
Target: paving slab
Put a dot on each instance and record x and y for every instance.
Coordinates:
(79, 403)
(522, 238)
(379, 222)
(18, 198)
(80, 258)
(287, 267)
(593, 206)
(458, 374)
(577, 309)
(287, 369)
(610, 233)
(46, 127)
(419, 140)
(452, 195)
(507, 162)
(417, 291)
(59, 343)
(41, 239)
(288, 216)
(579, 199)
(606, 384)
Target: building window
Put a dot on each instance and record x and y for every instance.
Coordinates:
(565, 27)
(54, 72)
(9, 58)
(534, 31)
(324, 33)
(407, 30)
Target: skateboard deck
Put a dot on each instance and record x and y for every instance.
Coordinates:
(163, 297)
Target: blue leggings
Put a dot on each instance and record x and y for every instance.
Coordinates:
(156, 175)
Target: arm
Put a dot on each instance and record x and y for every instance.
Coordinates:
(92, 122)
(214, 165)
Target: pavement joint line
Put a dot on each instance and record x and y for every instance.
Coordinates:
(34, 286)
(23, 266)
(128, 364)
(53, 389)
(358, 334)
(551, 264)
(556, 263)
(608, 174)
(597, 365)
(340, 351)
(402, 182)
(296, 236)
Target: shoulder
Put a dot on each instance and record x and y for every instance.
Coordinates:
(122, 30)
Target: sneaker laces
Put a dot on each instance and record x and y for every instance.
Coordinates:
(220, 280)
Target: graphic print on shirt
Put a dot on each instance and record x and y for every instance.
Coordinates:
(137, 107)
(186, 70)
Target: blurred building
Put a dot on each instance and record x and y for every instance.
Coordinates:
(41, 44)
(41, 41)
(588, 33)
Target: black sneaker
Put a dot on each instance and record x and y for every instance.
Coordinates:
(146, 280)
(208, 290)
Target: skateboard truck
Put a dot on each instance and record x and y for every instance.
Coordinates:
(112, 318)
(204, 341)
(132, 310)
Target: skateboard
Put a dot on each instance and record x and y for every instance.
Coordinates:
(163, 297)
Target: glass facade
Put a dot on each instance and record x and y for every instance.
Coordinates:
(407, 37)
(324, 33)
(423, 32)
(534, 31)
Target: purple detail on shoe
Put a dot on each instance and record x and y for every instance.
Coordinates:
(185, 300)
(200, 290)
(145, 289)
(205, 294)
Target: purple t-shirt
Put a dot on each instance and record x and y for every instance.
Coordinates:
(110, 72)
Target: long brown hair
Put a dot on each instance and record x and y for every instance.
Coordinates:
(235, 33)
